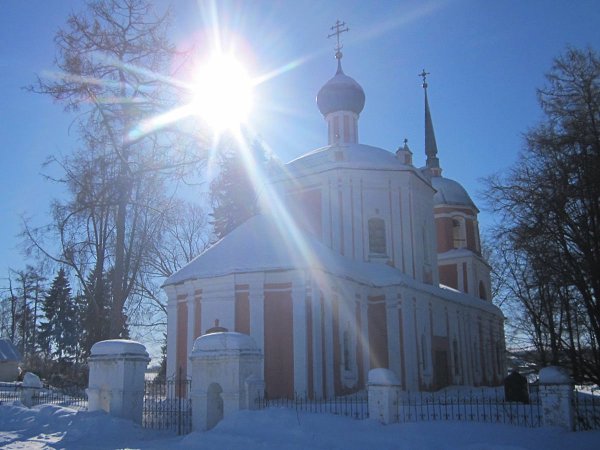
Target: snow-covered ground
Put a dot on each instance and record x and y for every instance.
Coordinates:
(52, 427)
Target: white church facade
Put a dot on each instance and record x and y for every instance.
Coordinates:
(359, 260)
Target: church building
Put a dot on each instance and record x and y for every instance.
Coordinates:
(359, 260)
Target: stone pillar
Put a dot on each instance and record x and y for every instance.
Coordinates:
(384, 392)
(116, 381)
(556, 396)
(226, 377)
(32, 385)
(255, 390)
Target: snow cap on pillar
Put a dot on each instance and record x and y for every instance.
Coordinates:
(118, 347)
(554, 375)
(224, 342)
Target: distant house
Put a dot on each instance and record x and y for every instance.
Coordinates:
(9, 361)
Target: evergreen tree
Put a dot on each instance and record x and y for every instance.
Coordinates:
(59, 332)
(96, 311)
(234, 193)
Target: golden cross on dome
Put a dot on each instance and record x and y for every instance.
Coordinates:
(338, 29)
(424, 76)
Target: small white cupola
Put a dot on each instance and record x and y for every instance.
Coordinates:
(404, 155)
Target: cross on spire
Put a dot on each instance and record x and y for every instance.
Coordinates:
(424, 76)
(432, 163)
(338, 29)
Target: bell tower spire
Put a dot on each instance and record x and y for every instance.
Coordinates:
(432, 162)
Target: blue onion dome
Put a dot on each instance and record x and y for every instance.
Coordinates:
(341, 93)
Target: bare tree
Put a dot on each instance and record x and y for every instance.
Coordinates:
(113, 61)
(549, 203)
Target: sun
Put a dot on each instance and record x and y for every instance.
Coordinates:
(222, 93)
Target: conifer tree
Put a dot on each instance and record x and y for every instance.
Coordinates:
(96, 308)
(59, 332)
(234, 193)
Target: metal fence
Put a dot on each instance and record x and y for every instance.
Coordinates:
(168, 405)
(70, 398)
(477, 405)
(586, 407)
(353, 405)
(474, 405)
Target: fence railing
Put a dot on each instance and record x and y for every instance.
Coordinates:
(353, 405)
(72, 398)
(476, 405)
(586, 408)
(467, 405)
(168, 406)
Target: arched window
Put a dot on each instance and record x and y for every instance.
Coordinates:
(423, 352)
(456, 358)
(346, 343)
(459, 236)
(499, 356)
(427, 253)
(377, 244)
(477, 237)
(482, 291)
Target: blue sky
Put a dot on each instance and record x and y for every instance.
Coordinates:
(485, 58)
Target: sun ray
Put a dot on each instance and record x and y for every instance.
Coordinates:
(155, 123)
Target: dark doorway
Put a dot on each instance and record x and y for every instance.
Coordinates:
(441, 371)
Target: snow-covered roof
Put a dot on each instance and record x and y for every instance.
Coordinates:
(455, 253)
(348, 156)
(262, 244)
(8, 352)
(383, 377)
(450, 192)
(224, 342)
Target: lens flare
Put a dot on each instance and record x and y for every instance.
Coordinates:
(222, 93)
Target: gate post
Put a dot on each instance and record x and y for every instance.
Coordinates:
(226, 377)
(556, 396)
(384, 392)
(31, 388)
(116, 381)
